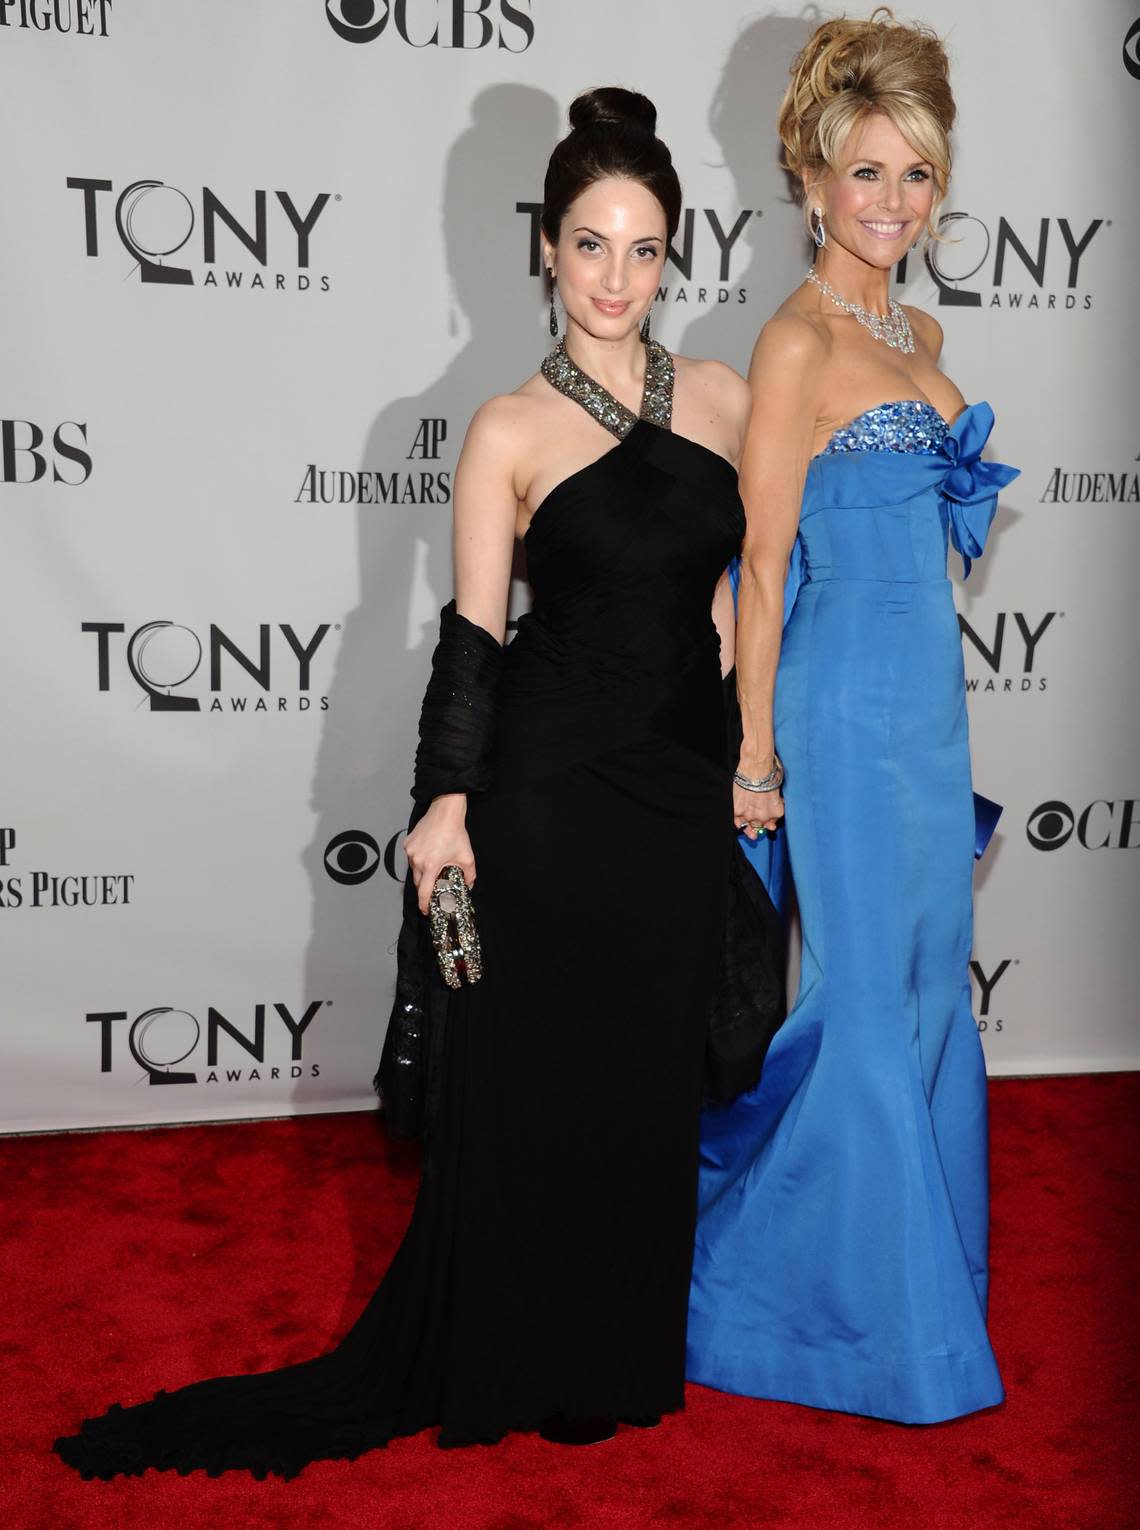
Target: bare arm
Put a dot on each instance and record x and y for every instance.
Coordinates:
(784, 380)
(485, 506)
(730, 407)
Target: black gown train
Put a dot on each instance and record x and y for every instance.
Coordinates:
(546, 1268)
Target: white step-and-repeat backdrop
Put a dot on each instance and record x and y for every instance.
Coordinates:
(261, 263)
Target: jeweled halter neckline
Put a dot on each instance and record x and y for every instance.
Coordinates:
(656, 398)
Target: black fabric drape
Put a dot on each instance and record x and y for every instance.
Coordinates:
(457, 720)
(456, 740)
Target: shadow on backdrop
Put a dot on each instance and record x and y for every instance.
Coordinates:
(743, 121)
(363, 773)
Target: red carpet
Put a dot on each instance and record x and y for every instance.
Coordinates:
(135, 1260)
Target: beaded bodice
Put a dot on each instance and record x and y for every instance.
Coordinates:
(908, 425)
(890, 489)
(656, 399)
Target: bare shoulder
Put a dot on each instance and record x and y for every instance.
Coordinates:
(713, 375)
(501, 440)
(509, 420)
(720, 382)
(791, 340)
(927, 329)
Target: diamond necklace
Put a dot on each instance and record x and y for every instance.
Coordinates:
(891, 328)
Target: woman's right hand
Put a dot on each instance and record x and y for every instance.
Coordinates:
(440, 839)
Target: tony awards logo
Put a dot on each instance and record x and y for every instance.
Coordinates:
(162, 657)
(1008, 651)
(163, 1042)
(1022, 267)
(987, 1018)
(155, 221)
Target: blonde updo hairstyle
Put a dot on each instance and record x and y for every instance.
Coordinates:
(847, 71)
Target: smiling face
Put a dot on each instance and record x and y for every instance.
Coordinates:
(877, 203)
(608, 258)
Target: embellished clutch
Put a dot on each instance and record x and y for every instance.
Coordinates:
(451, 919)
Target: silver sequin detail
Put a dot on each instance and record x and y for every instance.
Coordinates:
(453, 930)
(656, 400)
(910, 426)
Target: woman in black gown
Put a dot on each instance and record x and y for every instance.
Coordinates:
(544, 1279)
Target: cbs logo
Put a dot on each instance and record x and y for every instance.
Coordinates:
(1102, 825)
(353, 856)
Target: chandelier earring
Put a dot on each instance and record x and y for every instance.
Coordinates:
(553, 310)
(818, 233)
(645, 324)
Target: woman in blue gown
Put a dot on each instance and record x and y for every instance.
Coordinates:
(841, 1256)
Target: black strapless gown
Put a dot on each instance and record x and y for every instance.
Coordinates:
(546, 1268)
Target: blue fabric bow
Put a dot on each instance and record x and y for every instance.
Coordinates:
(970, 487)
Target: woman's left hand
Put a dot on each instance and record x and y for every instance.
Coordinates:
(756, 811)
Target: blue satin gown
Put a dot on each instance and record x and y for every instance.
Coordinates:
(841, 1256)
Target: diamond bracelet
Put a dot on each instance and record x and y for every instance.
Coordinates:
(767, 783)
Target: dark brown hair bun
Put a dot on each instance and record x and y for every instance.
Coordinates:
(612, 104)
(613, 133)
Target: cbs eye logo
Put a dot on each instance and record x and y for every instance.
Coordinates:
(1102, 825)
(356, 20)
(351, 857)
(1131, 50)
(1050, 826)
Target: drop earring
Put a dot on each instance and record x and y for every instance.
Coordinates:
(553, 310)
(645, 324)
(819, 233)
